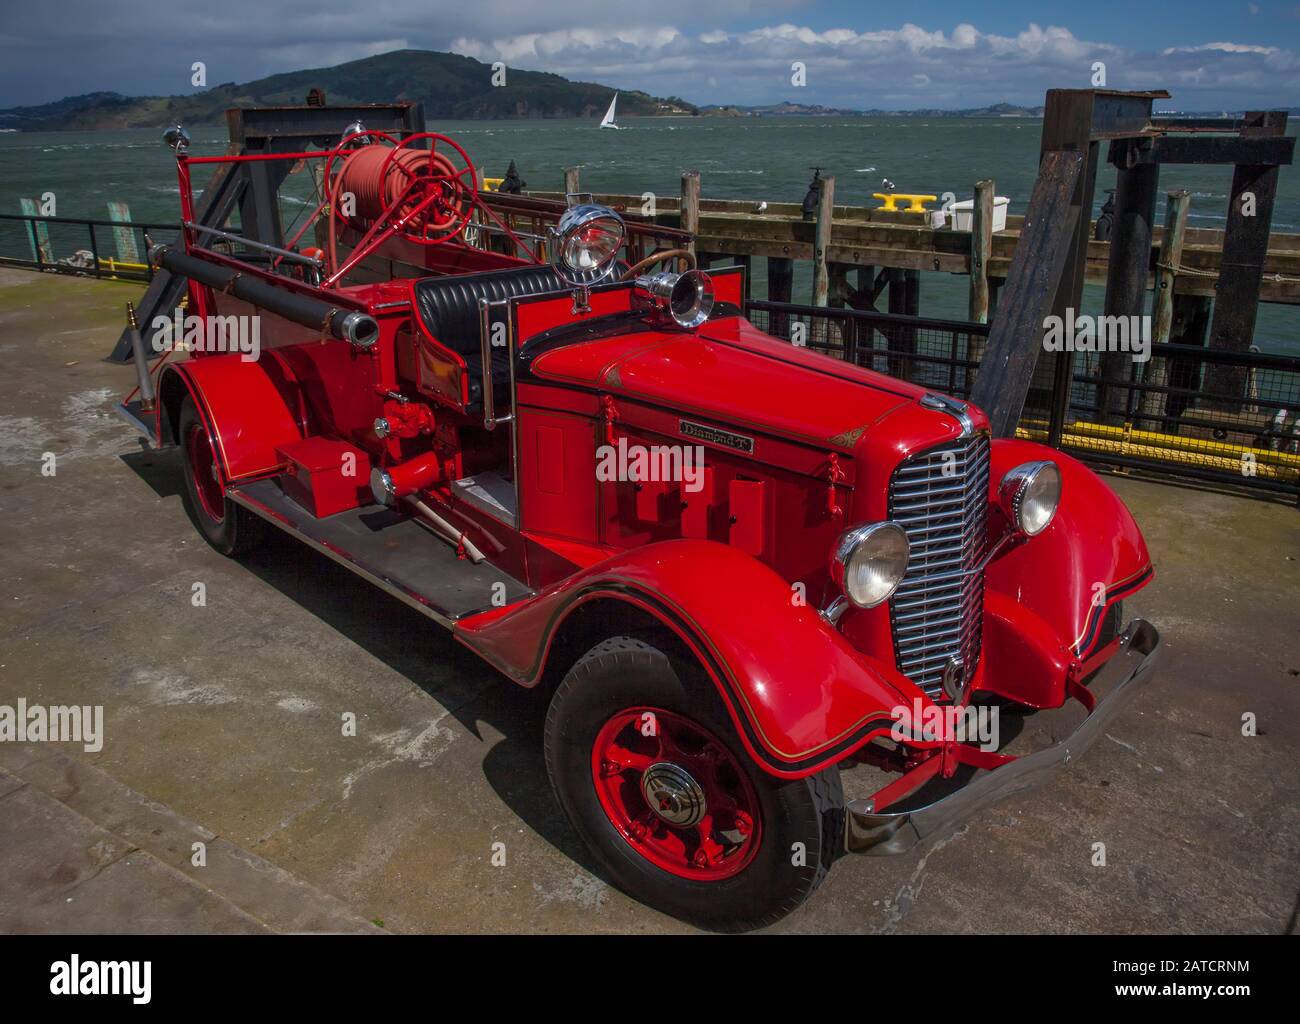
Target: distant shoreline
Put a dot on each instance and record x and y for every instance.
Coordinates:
(631, 118)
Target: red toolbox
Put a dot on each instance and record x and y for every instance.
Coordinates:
(325, 476)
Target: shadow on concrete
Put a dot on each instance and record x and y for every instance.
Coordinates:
(159, 469)
(473, 692)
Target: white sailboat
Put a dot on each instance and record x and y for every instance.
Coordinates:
(608, 120)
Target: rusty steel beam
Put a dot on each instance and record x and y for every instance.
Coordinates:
(1114, 114)
(1219, 149)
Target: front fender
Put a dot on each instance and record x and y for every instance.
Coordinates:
(249, 407)
(1049, 595)
(800, 695)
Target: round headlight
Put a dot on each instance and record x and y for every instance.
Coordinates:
(869, 562)
(588, 238)
(687, 299)
(1030, 494)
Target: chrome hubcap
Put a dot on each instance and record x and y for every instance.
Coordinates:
(673, 794)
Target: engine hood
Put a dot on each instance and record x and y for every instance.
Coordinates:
(730, 375)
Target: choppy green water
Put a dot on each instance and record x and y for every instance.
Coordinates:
(768, 158)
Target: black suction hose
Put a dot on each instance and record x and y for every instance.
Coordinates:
(347, 325)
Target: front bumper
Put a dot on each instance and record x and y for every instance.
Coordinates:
(888, 833)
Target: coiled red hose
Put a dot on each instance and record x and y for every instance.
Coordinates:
(378, 176)
(360, 175)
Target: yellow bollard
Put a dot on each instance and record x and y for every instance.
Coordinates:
(915, 201)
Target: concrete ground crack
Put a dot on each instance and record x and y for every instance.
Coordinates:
(907, 896)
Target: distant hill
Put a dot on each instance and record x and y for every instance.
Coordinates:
(450, 87)
(787, 108)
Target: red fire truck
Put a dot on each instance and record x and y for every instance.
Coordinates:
(737, 567)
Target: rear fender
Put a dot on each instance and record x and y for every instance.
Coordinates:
(800, 695)
(1049, 595)
(248, 407)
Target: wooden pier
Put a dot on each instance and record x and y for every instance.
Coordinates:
(862, 243)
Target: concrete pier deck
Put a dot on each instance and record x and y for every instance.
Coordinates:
(223, 721)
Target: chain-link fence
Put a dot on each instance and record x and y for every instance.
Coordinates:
(1227, 417)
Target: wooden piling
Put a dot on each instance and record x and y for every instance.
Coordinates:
(822, 241)
(1245, 253)
(981, 248)
(571, 185)
(1191, 326)
(839, 289)
(780, 286)
(904, 295)
(1171, 255)
(1126, 280)
(690, 207)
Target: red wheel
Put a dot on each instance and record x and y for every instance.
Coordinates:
(676, 793)
(649, 770)
(228, 527)
(202, 467)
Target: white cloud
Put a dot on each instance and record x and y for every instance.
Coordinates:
(1223, 48)
(568, 45)
(664, 47)
(909, 66)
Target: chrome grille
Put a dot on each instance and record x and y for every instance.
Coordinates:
(940, 498)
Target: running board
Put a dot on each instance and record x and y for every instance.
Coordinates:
(393, 551)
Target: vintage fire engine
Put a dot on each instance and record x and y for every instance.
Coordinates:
(737, 567)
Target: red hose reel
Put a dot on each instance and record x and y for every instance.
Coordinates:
(419, 193)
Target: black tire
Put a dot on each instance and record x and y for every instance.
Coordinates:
(625, 672)
(229, 528)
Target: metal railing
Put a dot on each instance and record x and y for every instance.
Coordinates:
(941, 354)
(1230, 418)
(68, 245)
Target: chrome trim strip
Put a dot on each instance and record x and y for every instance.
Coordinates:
(275, 250)
(889, 833)
(955, 408)
(485, 358)
(834, 611)
(490, 419)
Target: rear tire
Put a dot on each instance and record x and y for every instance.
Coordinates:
(229, 528)
(767, 842)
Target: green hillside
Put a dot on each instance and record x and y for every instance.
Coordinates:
(449, 86)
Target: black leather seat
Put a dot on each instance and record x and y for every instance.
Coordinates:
(448, 306)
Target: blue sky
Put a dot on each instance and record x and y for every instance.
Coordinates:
(944, 53)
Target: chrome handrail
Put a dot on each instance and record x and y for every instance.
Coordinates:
(490, 418)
